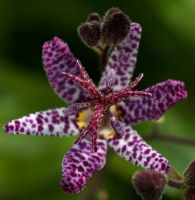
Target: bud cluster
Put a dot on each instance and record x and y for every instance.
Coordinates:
(189, 179)
(112, 29)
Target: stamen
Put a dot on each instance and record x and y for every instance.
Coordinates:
(118, 126)
(110, 78)
(73, 109)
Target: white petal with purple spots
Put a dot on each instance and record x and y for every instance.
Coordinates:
(58, 58)
(164, 95)
(123, 59)
(80, 164)
(52, 122)
(134, 149)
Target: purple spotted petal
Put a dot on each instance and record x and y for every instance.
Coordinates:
(51, 122)
(123, 59)
(164, 95)
(80, 164)
(134, 149)
(58, 58)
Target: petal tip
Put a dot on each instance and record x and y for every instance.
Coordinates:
(7, 128)
(55, 41)
(71, 188)
(164, 167)
(135, 25)
(179, 88)
(80, 164)
(168, 169)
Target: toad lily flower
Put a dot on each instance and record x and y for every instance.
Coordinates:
(100, 116)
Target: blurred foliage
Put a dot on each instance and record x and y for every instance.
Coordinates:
(30, 167)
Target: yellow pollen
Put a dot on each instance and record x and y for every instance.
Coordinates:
(80, 120)
(107, 134)
(84, 117)
(116, 111)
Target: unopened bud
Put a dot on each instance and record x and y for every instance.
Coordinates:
(115, 27)
(94, 17)
(149, 184)
(189, 193)
(89, 33)
(189, 175)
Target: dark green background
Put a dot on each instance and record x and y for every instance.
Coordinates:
(30, 167)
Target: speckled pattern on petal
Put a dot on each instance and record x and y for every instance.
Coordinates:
(164, 95)
(58, 58)
(51, 122)
(80, 164)
(134, 149)
(123, 59)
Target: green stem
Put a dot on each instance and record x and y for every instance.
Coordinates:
(171, 139)
(156, 135)
(175, 184)
(175, 180)
(103, 58)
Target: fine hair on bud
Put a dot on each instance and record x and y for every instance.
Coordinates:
(111, 11)
(149, 184)
(94, 17)
(89, 33)
(189, 193)
(115, 26)
(189, 175)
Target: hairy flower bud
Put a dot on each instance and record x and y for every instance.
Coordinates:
(149, 184)
(89, 33)
(189, 193)
(94, 17)
(115, 27)
(189, 175)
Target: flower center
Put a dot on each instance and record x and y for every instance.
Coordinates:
(105, 131)
(99, 116)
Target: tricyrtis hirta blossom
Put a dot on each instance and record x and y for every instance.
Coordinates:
(102, 115)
